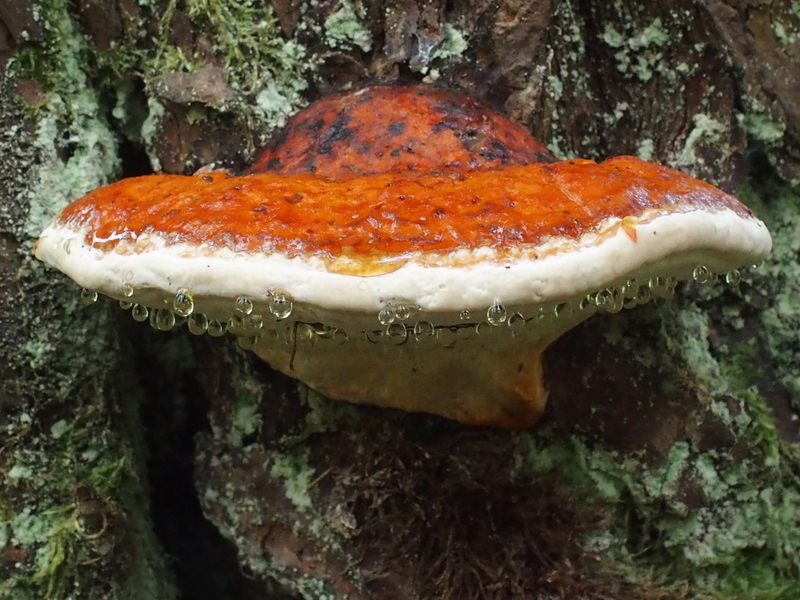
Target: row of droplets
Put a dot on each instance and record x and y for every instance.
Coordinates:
(394, 318)
(279, 303)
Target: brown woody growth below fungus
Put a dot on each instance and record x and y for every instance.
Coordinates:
(405, 247)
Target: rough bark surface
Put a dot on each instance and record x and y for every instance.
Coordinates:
(668, 463)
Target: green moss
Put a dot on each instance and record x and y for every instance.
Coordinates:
(58, 353)
(267, 70)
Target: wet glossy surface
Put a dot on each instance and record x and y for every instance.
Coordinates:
(387, 214)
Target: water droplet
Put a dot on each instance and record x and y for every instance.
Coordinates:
(564, 309)
(88, 296)
(125, 305)
(603, 297)
(700, 274)
(279, 304)
(245, 325)
(183, 303)
(216, 328)
(68, 245)
(662, 287)
(630, 289)
(167, 319)
(127, 290)
(323, 331)
(616, 300)
(198, 323)
(733, 277)
(339, 336)
(587, 301)
(162, 319)
(496, 314)
(236, 324)
(403, 312)
(253, 324)
(483, 328)
(244, 305)
(248, 342)
(373, 337)
(362, 285)
(713, 278)
(386, 316)
(668, 292)
(304, 333)
(447, 336)
(424, 330)
(242, 325)
(516, 322)
(139, 312)
(643, 295)
(397, 333)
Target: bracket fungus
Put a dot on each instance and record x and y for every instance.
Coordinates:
(404, 247)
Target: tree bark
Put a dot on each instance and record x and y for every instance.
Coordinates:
(143, 464)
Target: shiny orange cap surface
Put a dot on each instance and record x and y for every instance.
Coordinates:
(388, 213)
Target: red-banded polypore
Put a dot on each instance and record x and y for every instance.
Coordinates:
(404, 247)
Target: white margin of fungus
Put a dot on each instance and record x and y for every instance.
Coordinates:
(563, 268)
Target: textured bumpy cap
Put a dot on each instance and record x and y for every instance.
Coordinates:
(446, 278)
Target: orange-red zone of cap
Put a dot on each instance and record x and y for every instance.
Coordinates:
(387, 214)
(394, 129)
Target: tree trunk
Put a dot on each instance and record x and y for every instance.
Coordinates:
(143, 464)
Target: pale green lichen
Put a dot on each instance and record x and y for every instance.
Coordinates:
(705, 130)
(762, 127)
(68, 122)
(781, 271)
(765, 124)
(637, 52)
(61, 353)
(645, 149)
(344, 29)
(150, 130)
(296, 474)
(245, 419)
(686, 331)
(54, 534)
(714, 546)
(744, 542)
(453, 44)
(19, 471)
